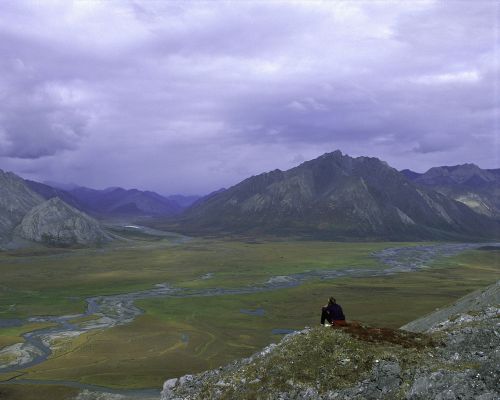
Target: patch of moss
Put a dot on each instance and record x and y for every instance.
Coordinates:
(37, 392)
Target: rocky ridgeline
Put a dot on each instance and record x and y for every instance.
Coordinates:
(458, 357)
(15, 201)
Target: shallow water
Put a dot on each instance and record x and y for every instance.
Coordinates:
(139, 393)
(11, 323)
(280, 331)
(259, 312)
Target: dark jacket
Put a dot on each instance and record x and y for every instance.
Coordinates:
(333, 312)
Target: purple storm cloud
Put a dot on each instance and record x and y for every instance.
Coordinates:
(193, 96)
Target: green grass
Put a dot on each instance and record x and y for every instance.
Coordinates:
(45, 283)
(37, 392)
(152, 349)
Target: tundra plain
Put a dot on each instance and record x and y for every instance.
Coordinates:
(210, 324)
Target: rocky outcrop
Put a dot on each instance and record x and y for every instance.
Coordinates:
(473, 302)
(55, 223)
(458, 357)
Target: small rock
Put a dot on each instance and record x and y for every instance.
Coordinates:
(185, 379)
(388, 376)
(170, 384)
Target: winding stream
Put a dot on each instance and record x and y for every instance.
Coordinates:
(114, 310)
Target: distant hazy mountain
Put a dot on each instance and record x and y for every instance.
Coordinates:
(56, 223)
(62, 186)
(410, 174)
(203, 199)
(50, 192)
(477, 188)
(183, 201)
(114, 201)
(122, 202)
(336, 196)
(16, 199)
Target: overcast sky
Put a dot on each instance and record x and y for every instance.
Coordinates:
(188, 97)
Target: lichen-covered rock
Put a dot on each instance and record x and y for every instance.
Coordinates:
(55, 223)
(444, 385)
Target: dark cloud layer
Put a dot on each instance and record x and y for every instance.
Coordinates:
(37, 118)
(192, 96)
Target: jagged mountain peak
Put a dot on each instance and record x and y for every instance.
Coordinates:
(457, 174)
(347, 164)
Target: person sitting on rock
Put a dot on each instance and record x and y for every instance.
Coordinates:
(333, 313)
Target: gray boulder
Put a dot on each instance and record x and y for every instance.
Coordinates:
(450, 385)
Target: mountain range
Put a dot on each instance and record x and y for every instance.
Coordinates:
(477, 188)
(24, 214)
(63, 216)
(123, 202)
(115, 201)
(336, 197)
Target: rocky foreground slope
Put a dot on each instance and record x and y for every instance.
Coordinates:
(458, 357)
